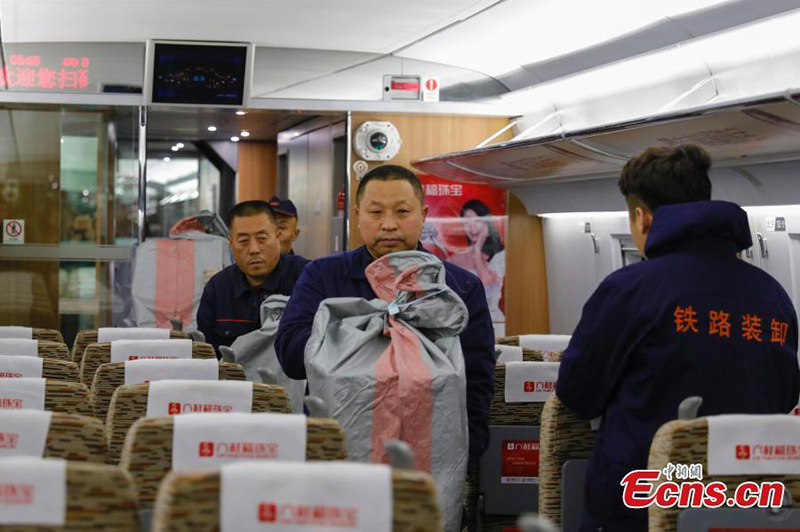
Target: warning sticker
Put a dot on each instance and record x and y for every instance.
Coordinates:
(430, 90)
(13, 231)
(519, 462)
(776, 224)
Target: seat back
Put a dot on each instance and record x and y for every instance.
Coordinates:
(54, 350)
(76, 438)
(47, 335)
(97, 354)
(61, 370)
(84, 338)
(67, 397)
(686, 442)
(111, 376)
(129, 403)
(69, 436)
(98, 497)
(503, 414)
(548, 346)
(49, 349)
(147, 453)
(189, 502)
(564, 436)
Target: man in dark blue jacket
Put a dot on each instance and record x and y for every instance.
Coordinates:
(693, 319)
(231, 301)
(391, 212)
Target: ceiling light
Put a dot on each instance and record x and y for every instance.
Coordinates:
(212, 128)
(179, 145)
(175, 148)
(241, 113)
(166, 159)
(245, 134)
(234, 139)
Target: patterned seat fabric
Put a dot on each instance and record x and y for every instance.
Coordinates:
(61, 370)
(686, 442)
(54, 350)
(129, 403)
(97, 354)
(98, 497)
(111, 376)
(564, 436)
(67, 397)
(84, 338)
(77, 438)
(147, 454)
(49, 335)
(189, 502)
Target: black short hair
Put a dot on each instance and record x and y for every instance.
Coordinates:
(664, 175)
(251, 208)
(390, 172)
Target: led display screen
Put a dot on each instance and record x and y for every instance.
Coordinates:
(200, 74)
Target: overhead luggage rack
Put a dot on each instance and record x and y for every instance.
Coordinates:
(752, 131)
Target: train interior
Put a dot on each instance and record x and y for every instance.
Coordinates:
(529, 109)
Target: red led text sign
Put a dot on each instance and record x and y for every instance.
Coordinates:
(28, 72)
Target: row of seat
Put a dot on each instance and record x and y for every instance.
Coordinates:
(107, 378)
(143, 448)
(104, 497)
(110, 376)
(566, 441)
(47, 335)
(563, 438)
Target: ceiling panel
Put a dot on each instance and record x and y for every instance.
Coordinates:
(354, 25)
(183, 125)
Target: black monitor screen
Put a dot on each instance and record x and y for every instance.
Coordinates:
(199, 74)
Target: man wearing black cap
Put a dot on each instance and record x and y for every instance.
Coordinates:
(286, 215)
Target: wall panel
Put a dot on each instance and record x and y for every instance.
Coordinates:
(258, 170)
(526, 281)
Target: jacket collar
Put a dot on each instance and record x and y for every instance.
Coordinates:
(696, 225)
(241, 286)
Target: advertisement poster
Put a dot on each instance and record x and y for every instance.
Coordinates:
(519, 462)
(466, 225)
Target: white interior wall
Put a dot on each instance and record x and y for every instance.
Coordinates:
(755, 185)
(575, 267)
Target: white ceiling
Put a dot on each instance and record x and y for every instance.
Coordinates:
(340, 49)
(373, 26)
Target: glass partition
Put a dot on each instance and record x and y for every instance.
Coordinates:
(69, 180)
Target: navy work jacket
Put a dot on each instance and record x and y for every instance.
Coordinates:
(343, 276)
(231, 307)
(692, 320)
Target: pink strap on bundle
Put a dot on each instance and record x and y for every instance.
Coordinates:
(175, 273)
(403, 401)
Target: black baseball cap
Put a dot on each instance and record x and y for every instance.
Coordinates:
(285, 207)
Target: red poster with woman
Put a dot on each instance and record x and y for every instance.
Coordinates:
(466, 225)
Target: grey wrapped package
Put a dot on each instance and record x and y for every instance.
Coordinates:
(392, 368)
(256, 350)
